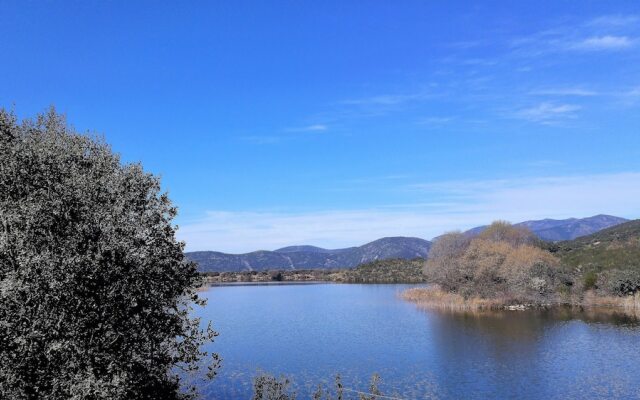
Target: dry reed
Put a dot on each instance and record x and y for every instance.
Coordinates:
(436, 298)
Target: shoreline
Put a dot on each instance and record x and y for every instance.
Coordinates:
(380, 271)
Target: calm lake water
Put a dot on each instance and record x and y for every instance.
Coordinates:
(311, 332)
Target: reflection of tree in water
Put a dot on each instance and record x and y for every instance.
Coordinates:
(498, 333)
(522, 328)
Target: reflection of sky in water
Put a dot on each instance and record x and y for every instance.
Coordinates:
(311, 332)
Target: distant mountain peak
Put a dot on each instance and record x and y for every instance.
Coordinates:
(292, 249)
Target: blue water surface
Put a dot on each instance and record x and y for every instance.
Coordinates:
(312, 332)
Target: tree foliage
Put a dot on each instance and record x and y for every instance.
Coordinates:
(95, 292)
(443, 266)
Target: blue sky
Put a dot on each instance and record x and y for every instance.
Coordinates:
(336, 123)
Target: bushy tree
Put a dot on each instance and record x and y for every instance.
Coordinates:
(503, 260)
(443, 266)
(95, 292)
(531, 271)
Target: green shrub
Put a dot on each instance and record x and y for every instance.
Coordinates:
(590, 280)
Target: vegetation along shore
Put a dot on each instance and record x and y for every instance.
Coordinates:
(506, 266)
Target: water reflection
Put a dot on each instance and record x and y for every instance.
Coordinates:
(529, 325)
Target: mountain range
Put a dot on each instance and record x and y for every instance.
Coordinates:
(553, 230)
(311, 257)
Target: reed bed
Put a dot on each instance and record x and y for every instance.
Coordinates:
(435, 298)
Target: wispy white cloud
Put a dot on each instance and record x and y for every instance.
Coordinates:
(604, 33)
(544, 163)
(379, 105)
(287, 134)
(309, 128)
(488, 84)
(553, 196)
(566, 91)
(434, 121)
(633, 92)
(484, 62)
(439, 207)
(599, 43)
(548, 113)
(476, 81)
(466, 44)
(377, 180)
(614, 21)
(389, 99)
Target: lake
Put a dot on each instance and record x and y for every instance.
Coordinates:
(310, 332)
